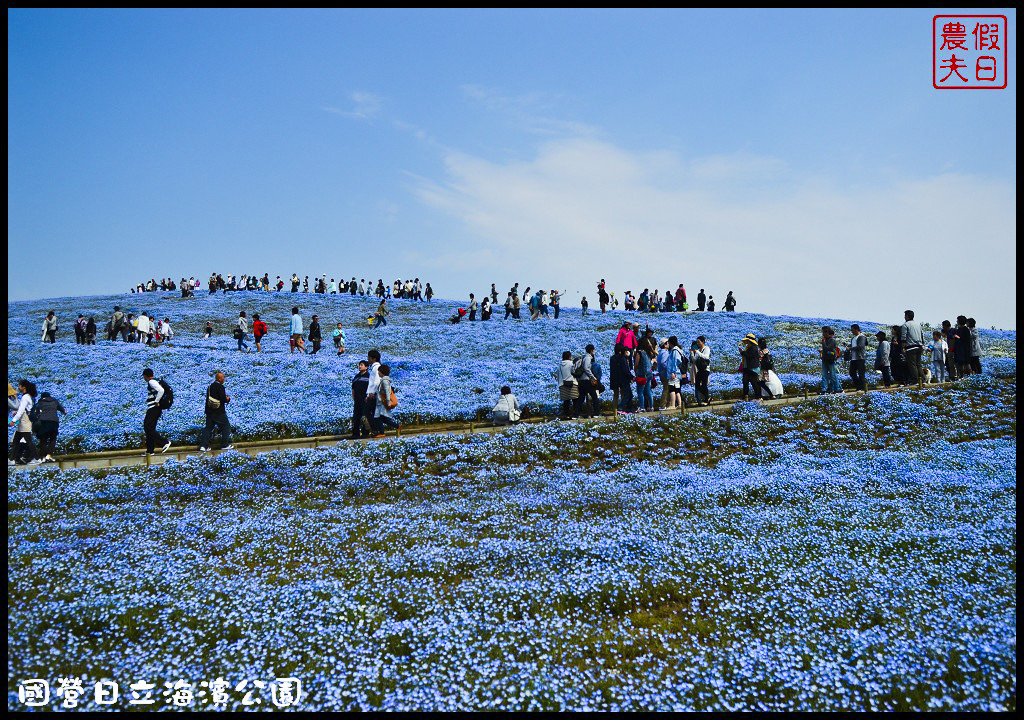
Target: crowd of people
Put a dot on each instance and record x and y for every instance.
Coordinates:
(408, 289)
(639, 363)
(540, 301)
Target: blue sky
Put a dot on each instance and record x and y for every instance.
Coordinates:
(801, 159)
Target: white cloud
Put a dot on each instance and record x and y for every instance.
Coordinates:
(365, 106)
(582, 209)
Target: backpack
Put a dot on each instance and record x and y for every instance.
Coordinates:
(167, 399)
(33, 414)
(577, 367)
(391, 401)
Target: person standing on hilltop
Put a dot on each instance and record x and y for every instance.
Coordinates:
(602, 296)
(912, 342)
(730, 302)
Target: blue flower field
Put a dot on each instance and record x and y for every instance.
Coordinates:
(441, 371)
(843, 553)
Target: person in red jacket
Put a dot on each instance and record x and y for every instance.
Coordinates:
(259, 329)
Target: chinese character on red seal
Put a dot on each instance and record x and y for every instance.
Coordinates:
(969, 52)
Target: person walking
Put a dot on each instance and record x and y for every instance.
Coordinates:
(154, 394)
(295, 332)
(380, 316)
(730, 302)
(485, 308)
(90, 331)
(315, 335)
(242, 332)
(858, 355)
(359, 384)
(700, 360)
(143, 330)
(259, 331)
(216, 411)
(120, 324)
(48, 425)
(165, 330)
(472, 307)
(339, 339)
(508, 306)
(23, 450)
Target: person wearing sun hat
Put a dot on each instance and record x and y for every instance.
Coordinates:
(751, 365)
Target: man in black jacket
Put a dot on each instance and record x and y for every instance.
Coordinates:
(359, 384)
(217, 400)
(315, 336)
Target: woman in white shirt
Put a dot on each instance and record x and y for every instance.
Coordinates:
(507, 408)
(22, 448)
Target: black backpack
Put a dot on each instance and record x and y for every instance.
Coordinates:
(168, 397)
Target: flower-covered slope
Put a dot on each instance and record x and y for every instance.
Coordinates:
(842, 554)
(441, 371)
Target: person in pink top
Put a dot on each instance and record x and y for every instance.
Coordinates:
(626, 337)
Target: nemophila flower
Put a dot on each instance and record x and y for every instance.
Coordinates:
(867, 561)
(441, 371)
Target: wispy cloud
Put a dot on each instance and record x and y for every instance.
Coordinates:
(532, 112)
(366, 105)
(580, 209)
